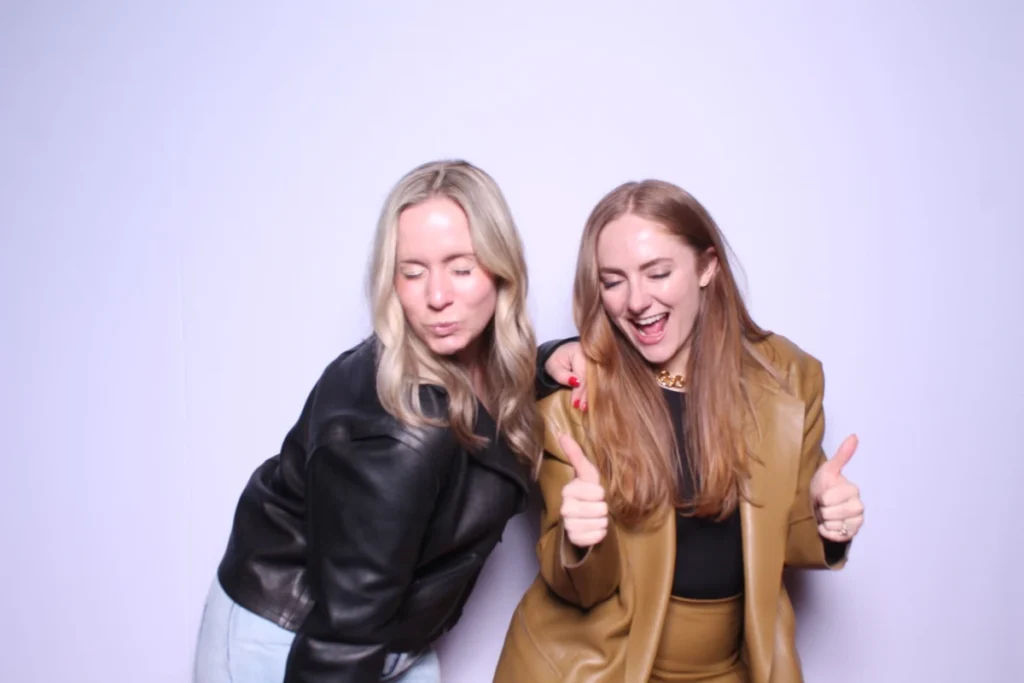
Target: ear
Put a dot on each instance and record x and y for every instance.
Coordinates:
(710, 259)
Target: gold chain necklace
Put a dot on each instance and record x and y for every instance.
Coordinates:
(671, 381)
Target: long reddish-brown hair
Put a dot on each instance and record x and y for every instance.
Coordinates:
(627, 418)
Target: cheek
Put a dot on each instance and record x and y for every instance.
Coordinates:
(680, 293)
(479, 295)
(614, 301)
(684, 298)
(404, 290)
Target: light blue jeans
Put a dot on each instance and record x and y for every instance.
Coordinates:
(237, 646)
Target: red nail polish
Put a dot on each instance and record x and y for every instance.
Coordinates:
(583, 407)
(573, 382)
(576, 403)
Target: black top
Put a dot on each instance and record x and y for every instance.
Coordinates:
(709, 554)
(364, 535)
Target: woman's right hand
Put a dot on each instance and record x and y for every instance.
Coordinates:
(584, 510)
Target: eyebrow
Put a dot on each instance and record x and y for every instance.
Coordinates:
(643, 266)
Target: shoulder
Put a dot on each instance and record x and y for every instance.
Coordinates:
(347, 388)
(381, 444)
(557, 412)
(560, 417)
(352, 376)
(798, 372)
(345, 405)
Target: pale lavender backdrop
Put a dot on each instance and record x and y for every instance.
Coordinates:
(187, 193)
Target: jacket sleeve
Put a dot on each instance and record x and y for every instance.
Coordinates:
(804, 545)
(583, 580)
(368, 505)
(545, 385)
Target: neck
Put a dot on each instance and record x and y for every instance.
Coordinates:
(676, 365)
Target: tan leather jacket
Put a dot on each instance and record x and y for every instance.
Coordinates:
(599, 620)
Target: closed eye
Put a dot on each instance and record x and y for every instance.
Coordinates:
(609, 284)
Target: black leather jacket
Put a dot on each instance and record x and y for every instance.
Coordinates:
(363, 535)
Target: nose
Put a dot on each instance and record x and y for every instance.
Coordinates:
(639, 300)
(439, 292)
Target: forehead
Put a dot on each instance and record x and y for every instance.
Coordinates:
(432, 229)
(631, 240)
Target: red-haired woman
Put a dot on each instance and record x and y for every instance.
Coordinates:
(661, 556)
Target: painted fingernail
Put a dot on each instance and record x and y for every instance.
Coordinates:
(575, 403)
(573, 382)
(583, 406)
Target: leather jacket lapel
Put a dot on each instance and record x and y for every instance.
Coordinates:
(775, 437)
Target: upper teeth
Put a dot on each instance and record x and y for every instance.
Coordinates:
(651, 319)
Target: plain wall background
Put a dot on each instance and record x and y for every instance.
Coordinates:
(187, 196)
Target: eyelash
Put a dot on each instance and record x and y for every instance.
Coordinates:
(461, 272)
(656, 276)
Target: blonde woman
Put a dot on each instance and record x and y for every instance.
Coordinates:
(356, 547)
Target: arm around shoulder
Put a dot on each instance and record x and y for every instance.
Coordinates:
(545, 385)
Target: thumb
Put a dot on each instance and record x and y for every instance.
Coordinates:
(585, 470)
(846, 450)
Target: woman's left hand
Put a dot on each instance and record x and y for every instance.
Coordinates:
(835, 499)
(568, 367)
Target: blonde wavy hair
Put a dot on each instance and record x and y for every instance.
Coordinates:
(509, 349)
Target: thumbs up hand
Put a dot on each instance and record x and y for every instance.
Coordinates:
(835, 499)
(584, 511)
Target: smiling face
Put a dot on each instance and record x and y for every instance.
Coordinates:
(651, 284)
(447, 296)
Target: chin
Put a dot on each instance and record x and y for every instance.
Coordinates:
(447, 346)
(656, 355)
(652, 356)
